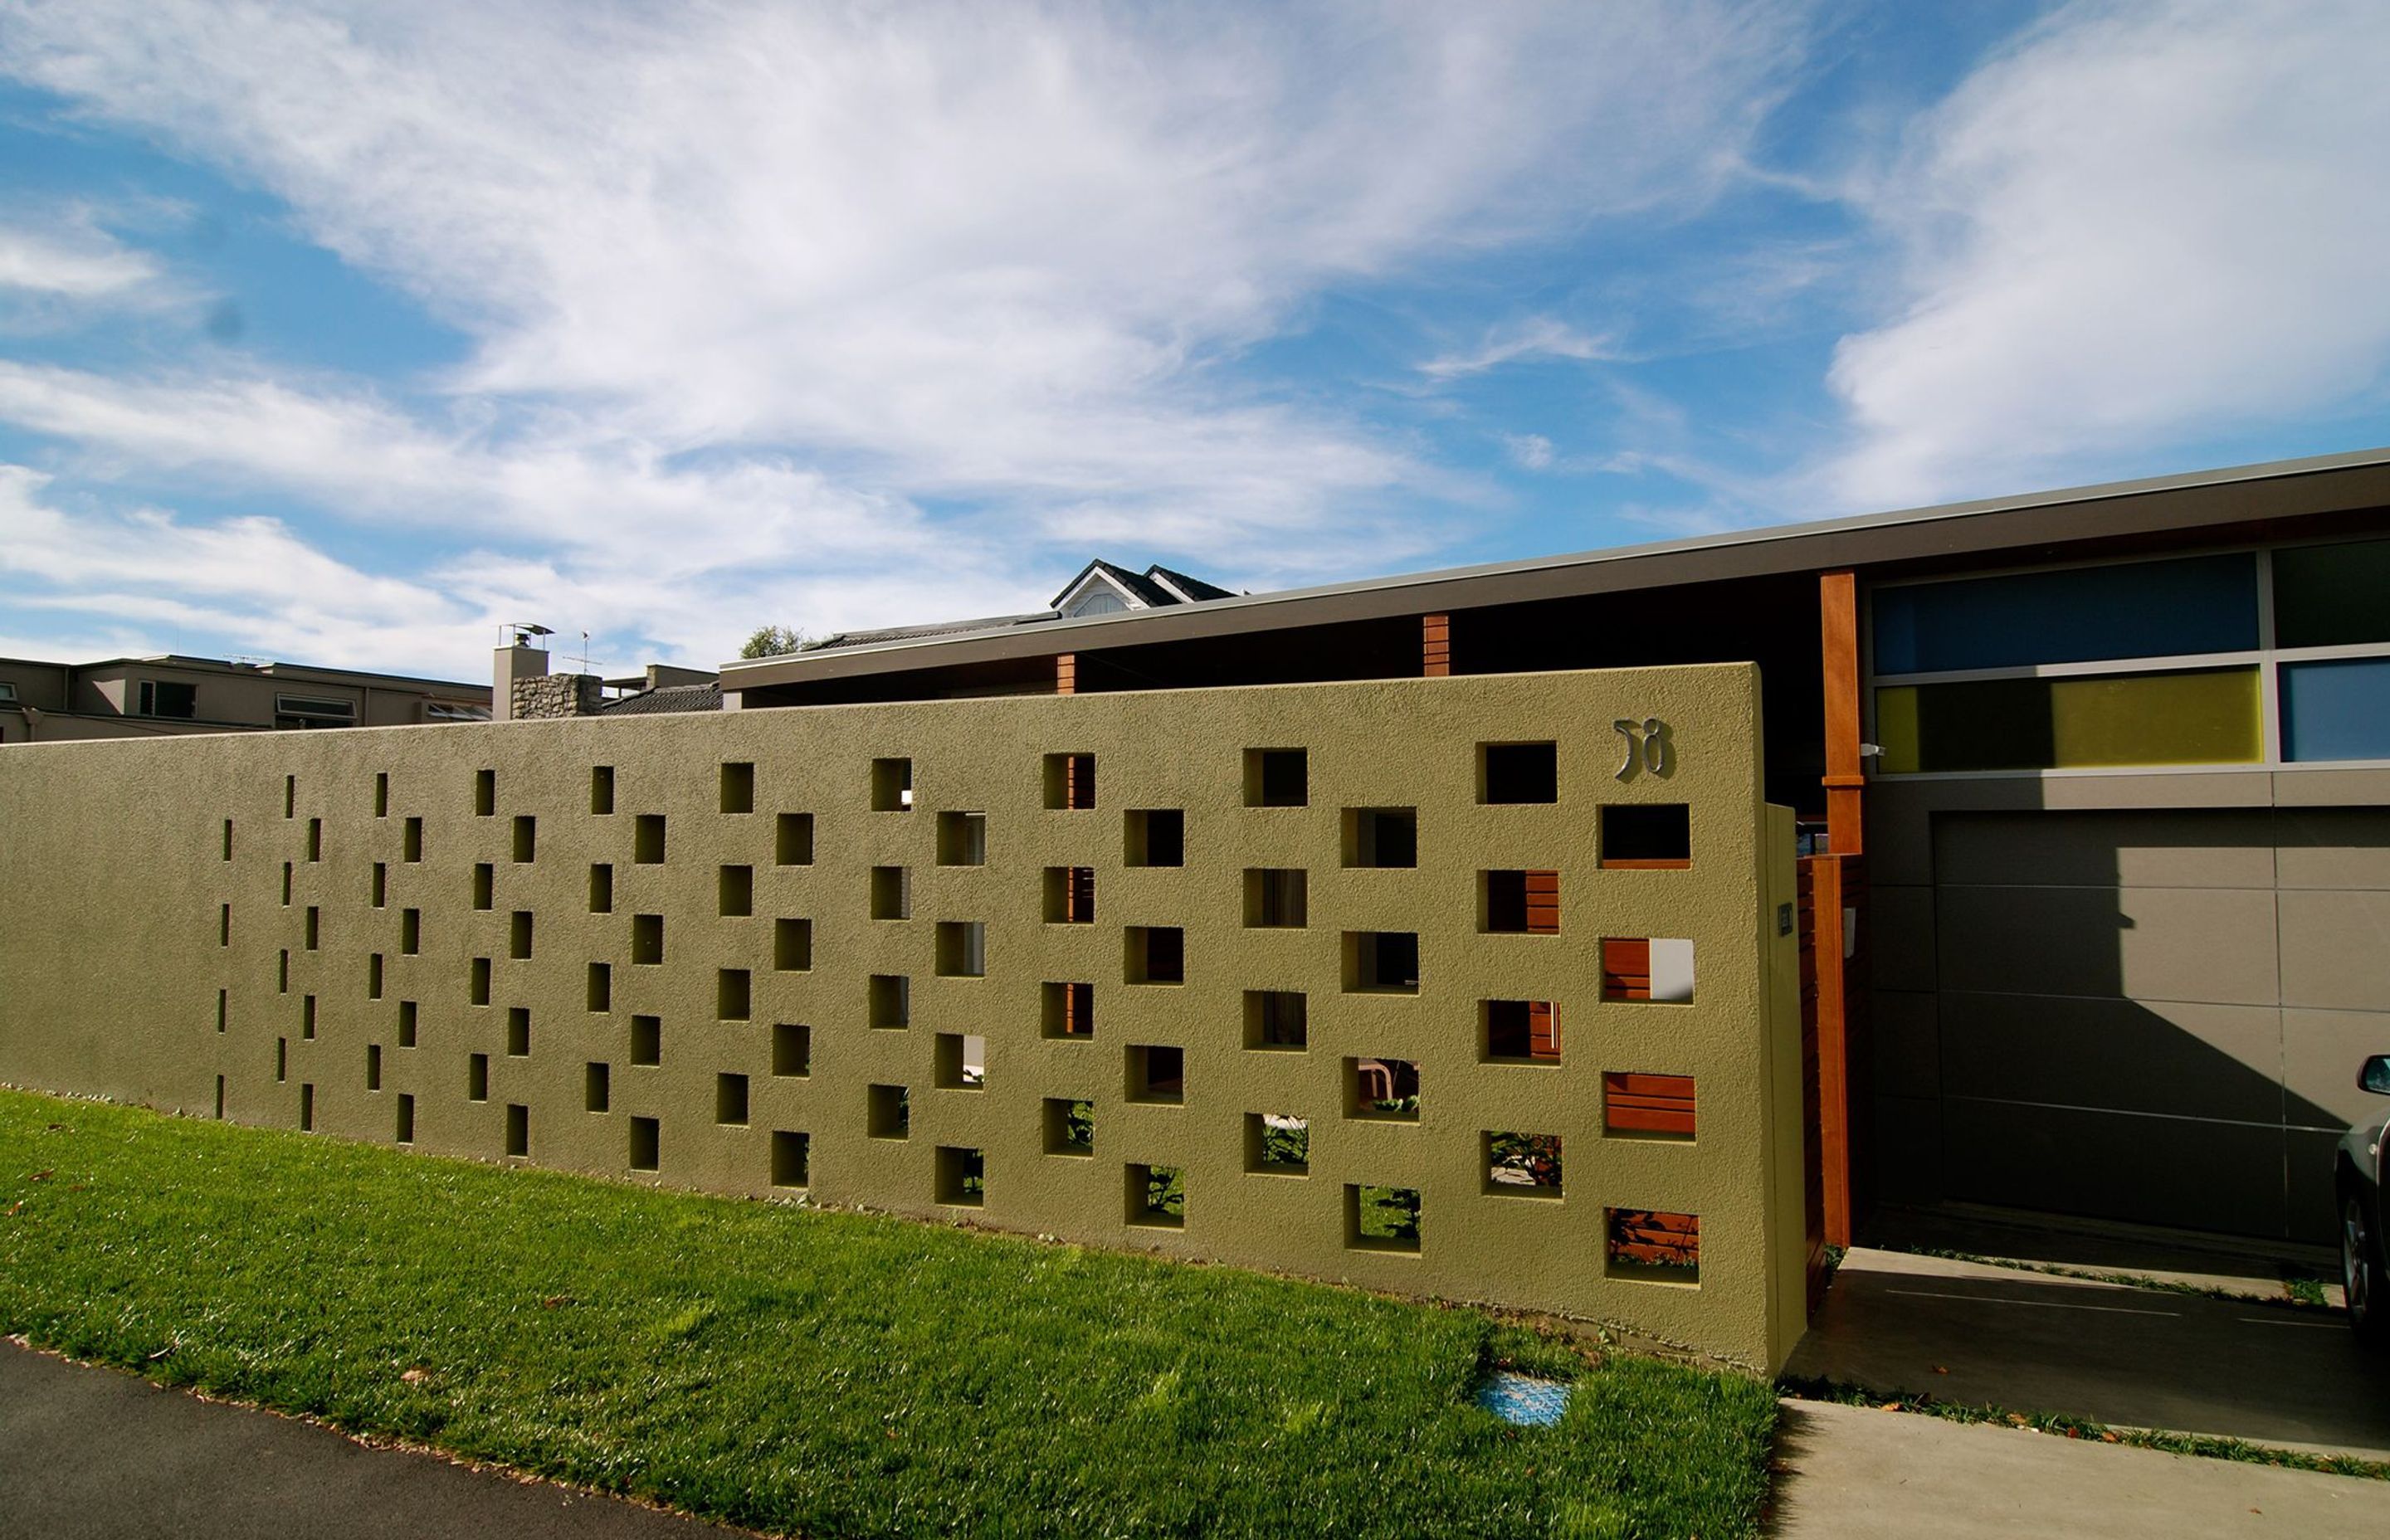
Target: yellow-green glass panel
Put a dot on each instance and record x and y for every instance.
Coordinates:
(2207, 716)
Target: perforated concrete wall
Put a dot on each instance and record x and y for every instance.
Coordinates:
(1336, 979)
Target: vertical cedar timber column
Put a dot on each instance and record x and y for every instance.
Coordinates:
(1435, 646)
(1846, 778)
(1838, 631)
(1066, 673)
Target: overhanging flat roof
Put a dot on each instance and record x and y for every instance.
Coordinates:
(2281, 489)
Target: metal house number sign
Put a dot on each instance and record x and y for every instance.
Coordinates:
(1647, 747)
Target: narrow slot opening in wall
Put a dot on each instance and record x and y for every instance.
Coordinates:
(1647, 1106)
(1510, 773)
(286, 884)
(961, 1062)
(1652, 1245)
(892, 893)
(647, 839)
(485, 793)
(734, 892)
(734, 992)
(519, 934)
(1070, 895)
(646, 1041)
(601, 789)
(1522, 1165)
(526, 839)
(1518, 903)
(1278, 778)
(730, 1100)
(962, 949)
(1647, 835)
(1277, 898)
(227, 839)
(1157, 1073)
(1157, 1197)
(1155, 954)
(477, 1077)
(281, 1060)
(892, 786)
(1069, 782)
(485, 885)
(602, 988)
(1381, 962)
(519, 1031)
(646, 940)
(373, 976)
(1657, 968)
(793, 946)
(793, 839)
(220, 1088)
(739, 787)
(404, 1130)
(1278, 1144)
(373, 1066)
(1068, 1010)
(1381, 1219)
(381, 794)
(307, 1106)
(410, 840)
(962, 838)
(888, 1111)
(1376, 836)
(223, 936)
(597, 1086)
(224, 1008)
(410, 932)
(284, 967)
(961, 1177)
(647, 1145)
(1520, 1031)
(1382, 1088)
(601, 888)
(481, 981)
(792, 1049)
(792, 1159)
(1278, 1019)
(290, 796)
(1154, 837)
(890, 1000)
(1070, 1123)
(407, 1017)
(381, 894)
(307, 1017)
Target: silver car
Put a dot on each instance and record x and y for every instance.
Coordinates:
(2363, 1176)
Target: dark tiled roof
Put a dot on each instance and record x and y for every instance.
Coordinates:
(1193, 587)
(671, 698)
(914, 632)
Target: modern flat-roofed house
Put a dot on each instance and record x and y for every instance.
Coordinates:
(2094, 784)
(170, 694)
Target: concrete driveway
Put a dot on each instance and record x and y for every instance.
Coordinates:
(2134, 1357)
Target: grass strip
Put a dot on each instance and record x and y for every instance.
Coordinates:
(823, 1373)
(2205, 1445)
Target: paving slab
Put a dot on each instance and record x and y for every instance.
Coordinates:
(2135, 1357)
(90, 1452)
(1855, 1474)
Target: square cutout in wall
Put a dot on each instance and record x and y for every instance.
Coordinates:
(477, 991)
(1522, 1165)
(1068, 1010)
(647, 839)
(1277, 898)
(601, 789)
(1157, 1197)
(892, 786)
(1518, 903)
(1647, 1106)
(792, 1159)
(892, 893)
(1278, 1019)
(792, 841)
(646, 940)
(730, 1100)
(373, 1066)
(1381, 837)
(307, 1108)
(962, 838)
(646, 1040)
(1154, 837)
(519, 1031)
(602, 988)
(961, 1177)
(477, 1077)
(1382, 1088)
(792, 1049)
(380, 890)
(601, 888)
(647, 1145)
(1070, 895)
(404, 1130)
(406, 1023)
(485, 793)
(410, 843)
(315, 840)
(597, 1087)
(961, 1061)
(888, 1111)
(381, 796)
(890, 1000)
(1278, 1144)
(739, 787)
(733, 892)
(1278, 778)
(1381, 962)
(1154, 954)
(1647, 835)
(734, 993)
(1069, 782)
(410, 931)
(1070, 1123)
(526, 841)
(1520, 1031)
(1511, 773)
(485, 885)
(307, 1018)
(793, 946)
(1652, 1245)
(1156, 1073)
(519, 934)
(1657, 968)
(373, 976)
(1381, 1219)
(518, 1129)
(314, 929)
(962, 949)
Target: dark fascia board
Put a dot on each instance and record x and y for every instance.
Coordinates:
(287, 672)
(2281, 489)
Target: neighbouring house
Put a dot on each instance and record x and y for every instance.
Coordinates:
(2094, 789)
(170, 694)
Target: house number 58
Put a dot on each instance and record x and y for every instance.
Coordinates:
(1647, 747)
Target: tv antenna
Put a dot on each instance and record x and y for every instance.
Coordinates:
(521, 632)
(584, 658)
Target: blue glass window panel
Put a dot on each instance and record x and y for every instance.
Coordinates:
(2336, 709)
(2080, 615)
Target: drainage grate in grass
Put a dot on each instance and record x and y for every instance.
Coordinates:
(1523, 1399)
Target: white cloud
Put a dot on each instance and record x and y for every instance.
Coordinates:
(1539, 337)
(2143, 222)
(1530, 451)
(72, 261)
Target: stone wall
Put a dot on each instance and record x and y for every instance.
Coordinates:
(556, 695)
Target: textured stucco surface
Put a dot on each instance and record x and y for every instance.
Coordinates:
(113, 879)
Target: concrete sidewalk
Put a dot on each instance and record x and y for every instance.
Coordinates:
(92, 1452)
(2135, 1357)
(1854, 1473)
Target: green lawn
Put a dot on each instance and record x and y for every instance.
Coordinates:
(834, 1375)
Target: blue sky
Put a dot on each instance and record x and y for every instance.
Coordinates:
(342, 334)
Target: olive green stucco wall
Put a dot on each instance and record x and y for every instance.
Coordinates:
(113, 881)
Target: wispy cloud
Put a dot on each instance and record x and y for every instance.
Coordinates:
(71, 261)
(1539, 337)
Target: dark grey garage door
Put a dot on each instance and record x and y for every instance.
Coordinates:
(2157, 1016)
